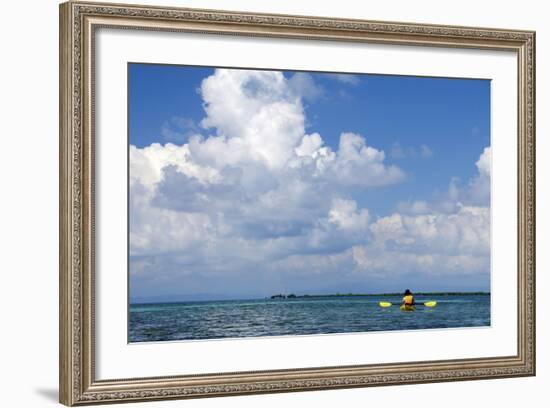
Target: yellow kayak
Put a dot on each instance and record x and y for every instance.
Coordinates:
(431, 303)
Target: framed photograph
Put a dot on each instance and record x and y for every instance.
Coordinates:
(255, 203)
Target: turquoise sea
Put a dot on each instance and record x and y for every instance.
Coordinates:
(300, 316)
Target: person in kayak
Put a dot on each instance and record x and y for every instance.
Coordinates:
(408, 299)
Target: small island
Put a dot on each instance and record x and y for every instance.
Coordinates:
(281, 296)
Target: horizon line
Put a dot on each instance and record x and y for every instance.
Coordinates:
(305, 295)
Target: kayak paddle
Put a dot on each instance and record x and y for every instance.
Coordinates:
(431, 303)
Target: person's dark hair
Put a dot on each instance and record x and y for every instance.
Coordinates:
(408, 292)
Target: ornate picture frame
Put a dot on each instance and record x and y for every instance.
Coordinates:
(79, 22)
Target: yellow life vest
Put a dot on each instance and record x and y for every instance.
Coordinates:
(408, 300)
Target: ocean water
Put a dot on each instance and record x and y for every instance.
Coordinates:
(300, 316)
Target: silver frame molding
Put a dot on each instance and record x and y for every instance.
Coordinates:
(78, 22)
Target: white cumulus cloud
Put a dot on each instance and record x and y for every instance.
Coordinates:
(253, 180)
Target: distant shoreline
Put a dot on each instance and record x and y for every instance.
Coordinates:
(308, 296)
(293, 296)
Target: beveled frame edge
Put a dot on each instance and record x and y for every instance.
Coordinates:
(78, 21)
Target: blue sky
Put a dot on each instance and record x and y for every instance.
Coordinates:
(418, 154)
